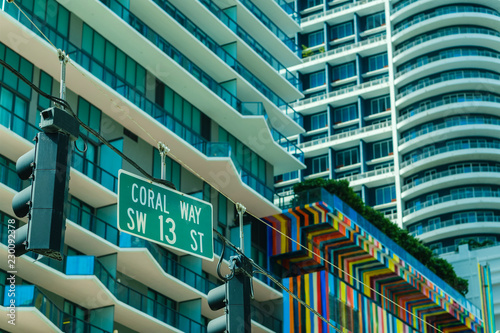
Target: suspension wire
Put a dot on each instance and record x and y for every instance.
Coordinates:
(36, 27)
(88, 128)
(262, 271)
(167, 183)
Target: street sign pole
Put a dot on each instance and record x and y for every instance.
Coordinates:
(165, 216)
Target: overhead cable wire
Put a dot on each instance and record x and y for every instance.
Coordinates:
(67, 106)
(83, 74)
(279, 284)
(220, 191)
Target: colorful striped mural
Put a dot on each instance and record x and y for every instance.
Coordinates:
(486, 298)
(350, 271)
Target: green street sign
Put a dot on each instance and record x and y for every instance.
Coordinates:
(164, 216)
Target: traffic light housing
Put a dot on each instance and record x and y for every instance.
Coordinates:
(46, 200)
(217, 299)
(234, 296)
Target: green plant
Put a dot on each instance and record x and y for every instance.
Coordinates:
(412, 245)
(306, 52)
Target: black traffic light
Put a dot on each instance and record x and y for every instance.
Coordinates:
(46, 200)
(234, 296)
(217, 300)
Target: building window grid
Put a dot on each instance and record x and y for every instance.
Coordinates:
(342, 30)
(377, 61)
(385, 194)
(113, 58)
(382, 148)
(347, 157)
(319, 164)
(379, 104)
(19, 64)
(13, 111)
(375, 20)
(317, 79)
(343, 71)
(346, 113)
(315, 38)
(319, 120)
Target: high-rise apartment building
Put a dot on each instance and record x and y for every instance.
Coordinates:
(206, 78)
(251, 97)
(402, 100)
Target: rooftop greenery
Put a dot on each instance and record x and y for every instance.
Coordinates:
(412, 245)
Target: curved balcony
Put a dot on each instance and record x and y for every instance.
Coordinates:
(463, 230)
(402, 4)
(454, 222)
(249, 40)
(447, 10)
(445, 32)
(454, 248)
(491, 169)
(474, 193)
(459, 100)
(448, 76)
(458, 177)
(309, 105)
(450, 123)
(471, 144)
(448, 54)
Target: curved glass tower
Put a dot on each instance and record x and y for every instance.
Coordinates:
(402, 99)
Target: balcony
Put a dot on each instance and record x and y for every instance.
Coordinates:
(449, 76)
(252, 42)
(449, 173)
(205, 79)
(331, 12)
(475, 193)
(288, 7)
(282, 36)
(472, 144)
(327, 97)
(444, 11)
(29, 296)
(341, 51)
(443, 33)
(374, 173)
(462, 121)
(451, 223)
(21, 127)
(336, 137)
(469, 98)
(402, 4)
(448, 55)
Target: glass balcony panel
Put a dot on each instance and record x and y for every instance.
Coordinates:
(80, 265)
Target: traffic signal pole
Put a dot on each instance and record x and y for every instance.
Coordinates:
(234, 296)
(45, 202)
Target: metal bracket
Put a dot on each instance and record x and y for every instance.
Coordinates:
(164, 150)
(241, 210)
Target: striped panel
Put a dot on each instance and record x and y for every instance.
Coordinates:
(358, 258)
